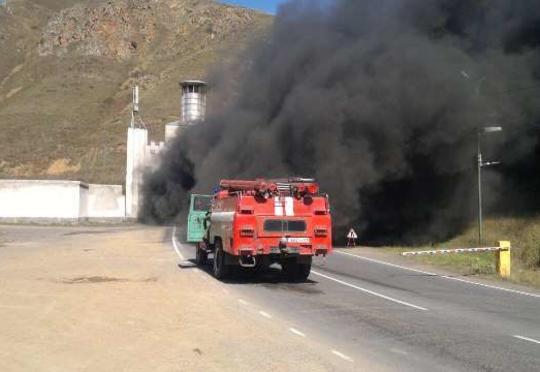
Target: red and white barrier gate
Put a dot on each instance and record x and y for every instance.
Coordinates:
(503, 255)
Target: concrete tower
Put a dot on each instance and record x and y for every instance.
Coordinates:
(192, 107)
(193, 101)
(141, 157)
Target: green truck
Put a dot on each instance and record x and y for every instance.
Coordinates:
(198, 208)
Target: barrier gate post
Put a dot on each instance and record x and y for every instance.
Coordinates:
(504, 259)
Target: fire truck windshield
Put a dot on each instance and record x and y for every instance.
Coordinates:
(273, 225)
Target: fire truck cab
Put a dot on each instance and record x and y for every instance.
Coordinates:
(253, 224)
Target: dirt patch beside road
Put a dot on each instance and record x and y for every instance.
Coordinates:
(72, 300)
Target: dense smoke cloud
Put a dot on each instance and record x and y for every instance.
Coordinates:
(380, 100)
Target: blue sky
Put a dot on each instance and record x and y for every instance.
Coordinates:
(268, 6)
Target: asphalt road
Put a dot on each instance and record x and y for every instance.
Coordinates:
(399, 317)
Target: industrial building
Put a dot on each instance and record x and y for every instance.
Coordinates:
(74, 201)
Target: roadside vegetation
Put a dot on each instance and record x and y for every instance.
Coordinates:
(523, 233)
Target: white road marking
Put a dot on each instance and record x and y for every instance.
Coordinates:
(441, 276)
(342, 356)
(527, 339)
(175, 245)
(265, 314)
(492, 286)
(243, 302)
(386, 263)
(398, 351)
(297, 332)
(370, 291)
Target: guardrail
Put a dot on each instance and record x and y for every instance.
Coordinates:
(502, 255)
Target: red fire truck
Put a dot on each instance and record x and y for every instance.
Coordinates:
(253, 224)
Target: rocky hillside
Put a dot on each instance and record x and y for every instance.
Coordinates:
(65, 81)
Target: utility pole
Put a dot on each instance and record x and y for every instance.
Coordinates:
(135, 104)
(479, 160)
(479, 173)
(480, 165)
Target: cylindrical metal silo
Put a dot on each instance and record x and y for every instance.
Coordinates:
(193, 101)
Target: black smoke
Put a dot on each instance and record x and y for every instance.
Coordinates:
(381, 101)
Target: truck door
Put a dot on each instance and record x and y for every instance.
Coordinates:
(199, 206)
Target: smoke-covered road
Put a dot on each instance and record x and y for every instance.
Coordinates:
(402, 318)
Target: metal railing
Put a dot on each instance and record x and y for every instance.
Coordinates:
(503, 255)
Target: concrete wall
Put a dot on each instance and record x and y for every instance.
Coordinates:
(73, 200)
(136, 150)
(141, 157)
(83, 200)
(41, 199)
(105, 201)
(59, 201)
(171, 131)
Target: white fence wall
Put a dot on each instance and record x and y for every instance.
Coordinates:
(106, 201)
(40, 199)
(59, 200)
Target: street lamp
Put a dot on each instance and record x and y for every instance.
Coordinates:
(481, 164)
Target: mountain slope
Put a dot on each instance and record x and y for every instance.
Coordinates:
(65, 85)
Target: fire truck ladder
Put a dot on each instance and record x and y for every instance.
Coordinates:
(286, 186)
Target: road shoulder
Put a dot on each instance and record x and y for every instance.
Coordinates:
(396, 260)
(85, 298)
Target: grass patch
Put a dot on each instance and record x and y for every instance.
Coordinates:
(523, 233)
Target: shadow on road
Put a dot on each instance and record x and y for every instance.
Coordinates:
(271, 275)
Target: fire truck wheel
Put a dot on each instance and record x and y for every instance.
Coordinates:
(303, 271)
(221, 271)
(201, 256)
(296, 271)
